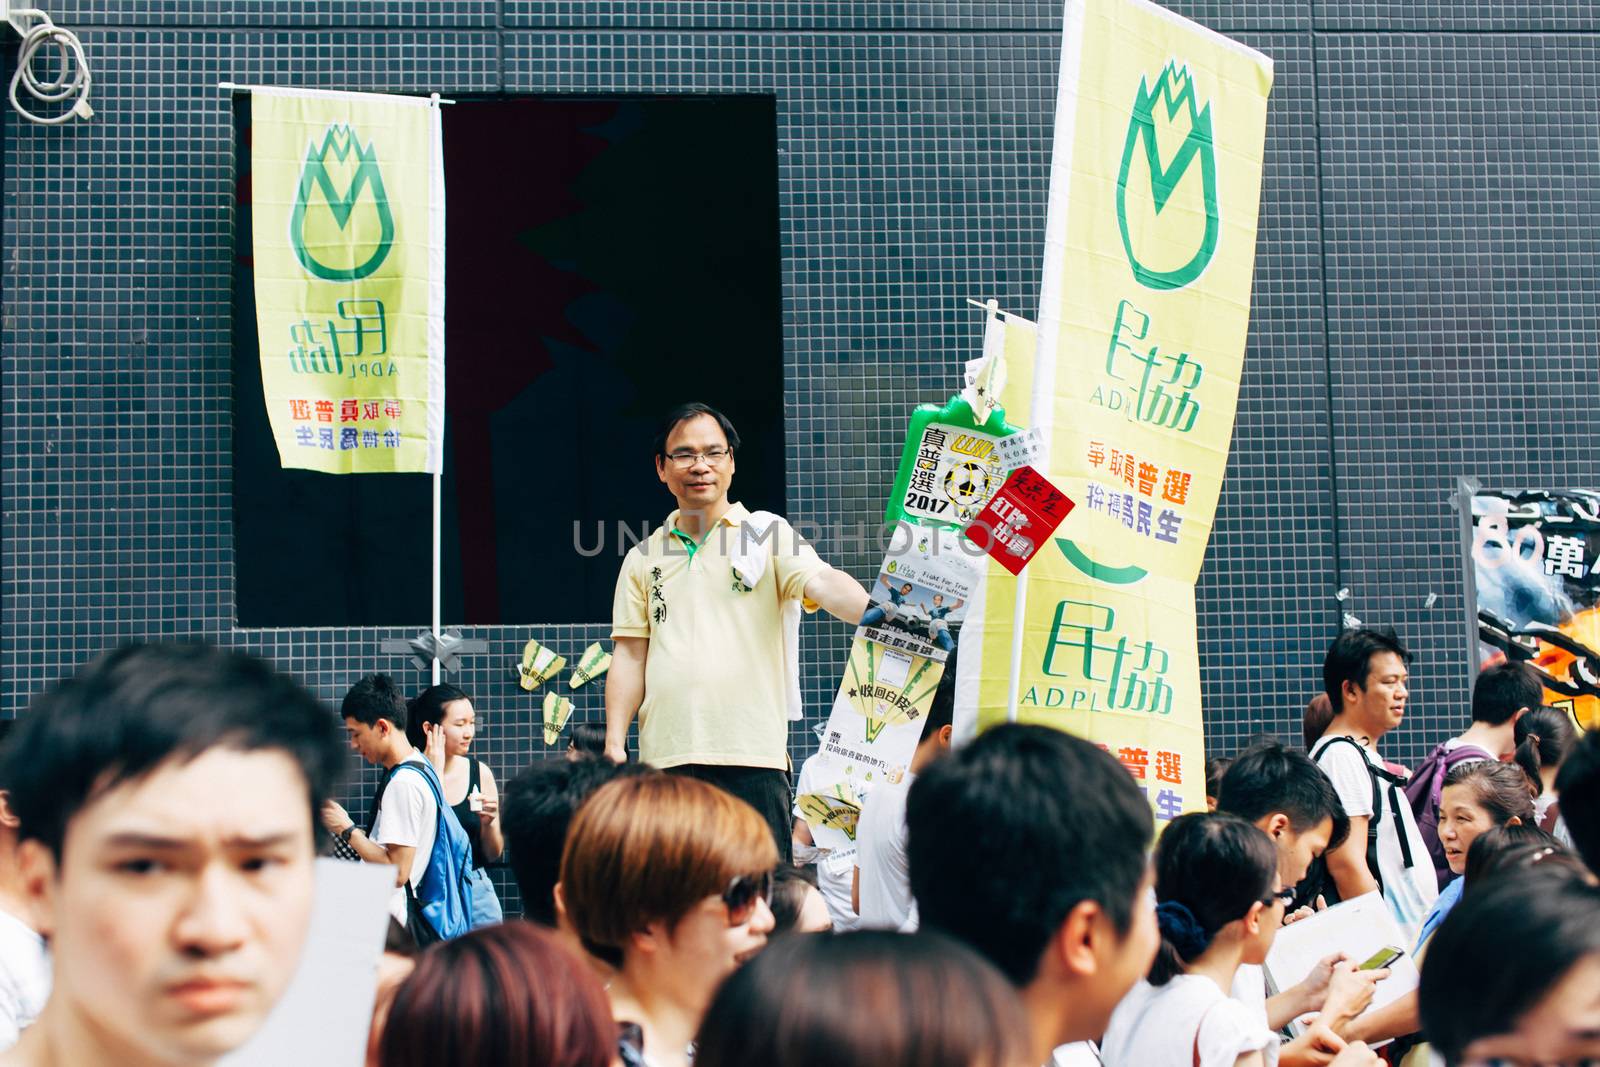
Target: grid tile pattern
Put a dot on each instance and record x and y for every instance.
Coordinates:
(1424, 305)
(1463, 303)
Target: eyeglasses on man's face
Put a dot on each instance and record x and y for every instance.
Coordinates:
(685, 458)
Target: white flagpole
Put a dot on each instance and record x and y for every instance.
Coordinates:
(438, 508)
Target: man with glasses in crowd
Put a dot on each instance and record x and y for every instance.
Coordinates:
(700, 639)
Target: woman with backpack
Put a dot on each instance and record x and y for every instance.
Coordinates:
(1544, 736)
(441, 722)
(1220, 904)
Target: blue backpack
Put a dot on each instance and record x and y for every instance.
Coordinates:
(440, 908)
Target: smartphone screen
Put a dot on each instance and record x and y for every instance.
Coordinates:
(1380, 959)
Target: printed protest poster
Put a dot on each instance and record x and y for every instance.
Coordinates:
(920, 594)
(895, 664)
(348, 238)
(1534, 571)
(1150, 248)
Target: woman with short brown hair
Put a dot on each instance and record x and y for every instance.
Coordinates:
(669, 879)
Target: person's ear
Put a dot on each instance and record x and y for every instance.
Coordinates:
(1515, 820)
(8, 818)
(37, 865)
(1348, 690)
(1078, 942)
(650, 939)
(661, 470)
(1252, 919)
(1277, 824)
(945, 733)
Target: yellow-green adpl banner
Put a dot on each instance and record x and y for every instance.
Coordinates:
(348, 221)
(1150, 247)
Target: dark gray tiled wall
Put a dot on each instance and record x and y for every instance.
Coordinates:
(1424, 297)
(1463, 293)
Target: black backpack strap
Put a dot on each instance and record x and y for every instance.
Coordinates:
(1377, 804)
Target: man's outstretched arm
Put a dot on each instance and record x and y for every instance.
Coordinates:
(838, 594)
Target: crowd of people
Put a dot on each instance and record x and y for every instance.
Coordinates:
(1007, 904)
(162, 809)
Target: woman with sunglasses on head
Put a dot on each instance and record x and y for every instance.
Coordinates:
(668, 879)
(1513, 975)
(1219, 905)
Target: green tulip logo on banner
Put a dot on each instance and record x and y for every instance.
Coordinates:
(1160, 117)
(339, 145)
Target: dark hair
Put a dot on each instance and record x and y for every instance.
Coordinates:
(535, 812)
(1216, 767)
(1543, 737)
(1472, 987)
(942, 708)
(1024, 790)
(1210, 868)
(1503, 690)
(685, 412)
(865, 999)
(1508, 848)
(501, 996)
(1314, 722)
(1499, 788)
(588, 738)
(428, 707)
(135, 709)
(789, 885)
(1349, 659)
(374, 697)
(1271, 777)
(1578, 782)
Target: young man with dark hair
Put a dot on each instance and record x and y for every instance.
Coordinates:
(535, 812)
(167, 800)
(1282, 792)
(881, 887)
(1502, 694)
(1365, 675)
(1578, 786)
(405, 815)
(705, 627)
(1030, 845)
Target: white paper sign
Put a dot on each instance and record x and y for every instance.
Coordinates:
(326, 1012)
(1359, 928)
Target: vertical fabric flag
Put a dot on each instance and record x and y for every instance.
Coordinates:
(1150, 247)
(348, 219)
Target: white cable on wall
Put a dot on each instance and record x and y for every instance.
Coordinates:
(72, 79)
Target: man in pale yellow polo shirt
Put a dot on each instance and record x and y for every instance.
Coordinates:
(699, 655)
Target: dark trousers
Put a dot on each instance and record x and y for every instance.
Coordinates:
(763, 789)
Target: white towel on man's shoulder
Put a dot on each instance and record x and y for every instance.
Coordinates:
(751, 558)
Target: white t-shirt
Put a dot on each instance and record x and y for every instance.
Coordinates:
(1455, 743)
(835, 867)
(1250, 987)
(24, 977)
(1410, 893)
(1077, 1054)
(886, 902)
(408, 815)
(1155, 1026)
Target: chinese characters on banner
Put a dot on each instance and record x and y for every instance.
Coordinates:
(1150, 247)
(1025, 511)
(1534, 569)
(348, 234)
